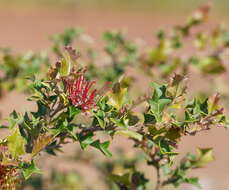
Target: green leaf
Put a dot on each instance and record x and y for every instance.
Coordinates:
(131, 134)
(160, 54)
(174, 134)
(149, 119)
(167, 169)
(133, 118)
(16, 143)
(85, 140)
(30, 170)
(73, 111)
(139, 180)
(165, 148)
(101, 122)
(156, 107)
(122, 179)
(99, 116)
(171, 67)
(14, 119)
(65, 66)
(42, 109)
(103, 147)
(204, 156)
(155, 131)
(211, 65)
(159, 101)
(119, 123)
(65, 127)
(194, 181)
(117, 98)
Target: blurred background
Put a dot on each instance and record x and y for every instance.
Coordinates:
(28, 25)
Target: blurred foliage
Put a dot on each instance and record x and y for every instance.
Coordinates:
(15, 68)
(64, 39)
(56, 181)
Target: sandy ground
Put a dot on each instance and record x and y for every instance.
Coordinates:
(28, 30)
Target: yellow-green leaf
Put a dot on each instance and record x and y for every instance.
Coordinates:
(213, 103)
(65, 66)
(204, 156)
(30, 170)
(16, 143)
(211, 65)
(131, 134)
(117, 96)
(64, 99)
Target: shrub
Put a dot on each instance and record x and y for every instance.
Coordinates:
(72, 108)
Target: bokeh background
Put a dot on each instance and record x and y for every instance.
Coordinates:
(28, 25)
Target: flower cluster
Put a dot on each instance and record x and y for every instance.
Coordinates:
(79, 93)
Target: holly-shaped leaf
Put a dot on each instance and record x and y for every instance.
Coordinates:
(99, 117)
(65, 65)
(103, 147)
(122, 179)
(14, 119)
(73, 111)
(159, 101)
(194, 181)
(118, 96)
(204, 156)
(166, 148)
(16, 143)
(30, 170)
(134, 118)
(85, 140)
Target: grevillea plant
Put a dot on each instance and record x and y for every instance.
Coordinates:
(76, 104)
(70, 108)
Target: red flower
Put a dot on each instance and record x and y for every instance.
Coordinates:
(79, 94)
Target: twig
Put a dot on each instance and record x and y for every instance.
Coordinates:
(158, 178)
(59, 108)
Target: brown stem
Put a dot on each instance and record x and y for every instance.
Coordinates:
(158, 185)
(59, 108)
(97, 128)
